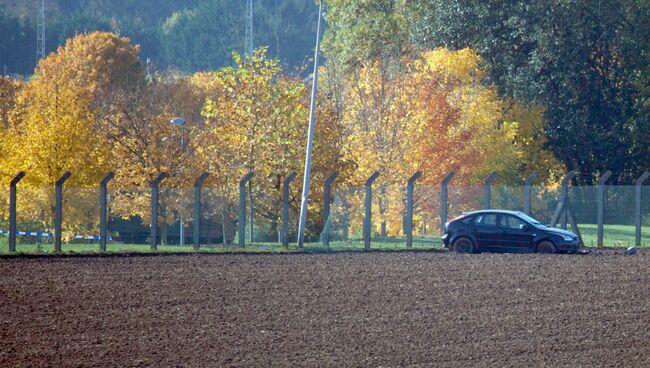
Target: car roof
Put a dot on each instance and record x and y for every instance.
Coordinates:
(494, 211)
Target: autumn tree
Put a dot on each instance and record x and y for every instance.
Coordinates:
(256, 121)
(59, 115)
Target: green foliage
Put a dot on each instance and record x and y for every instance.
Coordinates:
(585, 61)
(189, 35)
(17, 44)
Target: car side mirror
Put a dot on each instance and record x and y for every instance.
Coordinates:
(526, 228)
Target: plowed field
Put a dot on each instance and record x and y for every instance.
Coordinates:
(354, 309)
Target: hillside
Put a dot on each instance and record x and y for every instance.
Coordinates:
(189, 35)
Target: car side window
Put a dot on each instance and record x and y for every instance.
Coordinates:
(487, 220)
(467, 220)
(512, 222)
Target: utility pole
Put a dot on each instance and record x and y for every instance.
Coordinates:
(40, 32)
(310, 138)
(248, 39)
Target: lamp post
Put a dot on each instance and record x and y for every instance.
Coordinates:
(181, 123)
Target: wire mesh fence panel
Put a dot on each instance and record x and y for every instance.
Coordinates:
(543, 202)
(346, 218)
(618, 215)
(464, 198)
(218, 217)
(80, 225)
(507, 197)
(35, 219)
(584, 203)
(266, 224)
(426, 215)
(129, 218)
(387, 220)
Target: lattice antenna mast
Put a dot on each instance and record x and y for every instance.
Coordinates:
(248, 39)
(40, 32)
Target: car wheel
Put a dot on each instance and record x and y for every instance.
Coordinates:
(546, 247)
(463, 245)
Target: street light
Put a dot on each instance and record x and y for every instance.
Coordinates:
(181, 123)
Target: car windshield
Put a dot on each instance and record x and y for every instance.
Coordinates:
(531, 220)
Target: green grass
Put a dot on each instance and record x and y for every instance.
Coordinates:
(613, 235)
(249, 248)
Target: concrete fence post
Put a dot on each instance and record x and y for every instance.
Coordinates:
(285, 209)
(564, 197)
(155, 189)
(487, 190)
(527, 185)
(409, 209)
(242, 207)
(12, 210)
(196, 233)
(637, 207)
(103, 211)
(327, 198)
(367, 219)
(601, 205)
(58, 210)
(444, 207)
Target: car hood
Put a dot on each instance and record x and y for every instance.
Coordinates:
(558, 231)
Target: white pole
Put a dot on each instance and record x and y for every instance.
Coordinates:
(182, 231)
(310, 138)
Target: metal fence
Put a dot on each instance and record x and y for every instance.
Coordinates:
(365, 217)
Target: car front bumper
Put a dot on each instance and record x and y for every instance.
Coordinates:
(568, 246)
(445, 240)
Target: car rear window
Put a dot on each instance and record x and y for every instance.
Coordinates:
(488, 220)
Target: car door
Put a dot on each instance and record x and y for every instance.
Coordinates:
(516, 233)
(485, 230)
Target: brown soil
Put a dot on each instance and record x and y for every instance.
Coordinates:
(377, 309)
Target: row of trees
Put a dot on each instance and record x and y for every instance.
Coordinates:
(584, 65)
(189, 35)
(91, 109)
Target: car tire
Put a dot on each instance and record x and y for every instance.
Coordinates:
(463, 245)
(546, 246)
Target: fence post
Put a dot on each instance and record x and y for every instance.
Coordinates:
(103, 223)
(242, 207)
(443, 200)
(327, 197)
(601, 205)
(12, 210)
(197, 209)
(564, 197)
(285, 209)
(637, 207)
(155, 187)
(409, 208)
(58, 210)
(527, 184)
(487, 189)
(367, 219)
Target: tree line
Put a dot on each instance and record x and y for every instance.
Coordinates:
(91, 108)
(188, 35)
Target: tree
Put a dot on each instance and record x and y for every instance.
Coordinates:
(17, 44)
(581, 60)
(257, 121)
(440, 115)
(59, 113)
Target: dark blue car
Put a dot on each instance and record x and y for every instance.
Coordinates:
(505, 231)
